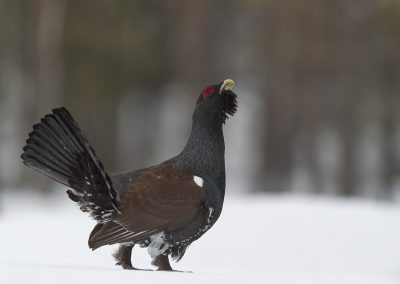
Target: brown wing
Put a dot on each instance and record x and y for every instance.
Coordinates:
(161, 198)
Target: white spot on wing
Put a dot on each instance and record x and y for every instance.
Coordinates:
(198, 180)
(107, 215)
(210, 211)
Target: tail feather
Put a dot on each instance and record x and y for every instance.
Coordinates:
(58, 149)
(35, 158)
(51, 149)
(53, 140)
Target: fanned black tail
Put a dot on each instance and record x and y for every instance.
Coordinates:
(58, 149)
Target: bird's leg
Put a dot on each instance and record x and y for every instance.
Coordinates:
(123, 256)
(162, 263)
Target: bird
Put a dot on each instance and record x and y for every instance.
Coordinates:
(163, 208)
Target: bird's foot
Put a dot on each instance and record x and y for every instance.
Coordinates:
(162, 264)
(172, 270)
(128, 266)
(123, 257)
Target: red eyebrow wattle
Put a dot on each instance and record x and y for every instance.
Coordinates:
(207, 91)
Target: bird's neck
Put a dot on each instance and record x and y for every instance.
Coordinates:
(205, 152)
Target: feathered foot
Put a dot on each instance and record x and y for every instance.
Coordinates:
(162, 263)
(123, 257)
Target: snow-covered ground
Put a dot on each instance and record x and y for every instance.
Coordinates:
(259, 239)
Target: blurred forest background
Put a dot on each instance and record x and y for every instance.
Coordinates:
(318, 84)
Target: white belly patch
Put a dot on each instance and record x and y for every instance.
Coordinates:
(157, 245)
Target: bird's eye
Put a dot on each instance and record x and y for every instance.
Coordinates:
(208, 91)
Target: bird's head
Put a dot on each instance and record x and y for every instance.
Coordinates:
(216, 102)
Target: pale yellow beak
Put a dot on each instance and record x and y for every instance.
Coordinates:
(227, 85)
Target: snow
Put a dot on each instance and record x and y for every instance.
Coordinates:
(259, 239)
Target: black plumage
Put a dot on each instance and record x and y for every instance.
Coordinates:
(165, 207)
